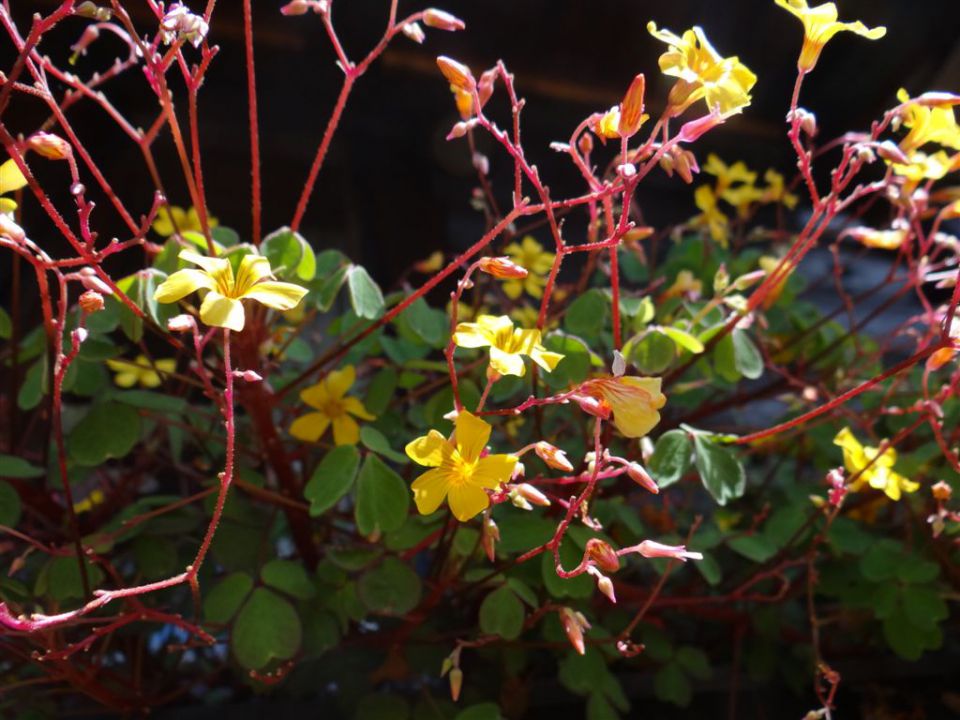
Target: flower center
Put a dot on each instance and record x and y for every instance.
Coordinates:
(333, 409)
(461, 471)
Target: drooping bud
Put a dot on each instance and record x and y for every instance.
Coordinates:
(605, 585)
(9, 229)
(941, 491)
(181, 323)
(456, 683)
(502, 267)
(50, 146)
(296, 7)
(940, 358)
(603, 555)
(685, 163)
(442, 20)
(531, 494)
(694, 129)
(553, 456)
(574, 623)
(88, 278)
(90, 302)
(414, 32)
(641, 477)
(91, 11)
(652, 549)
(490, 538)
(631, 109)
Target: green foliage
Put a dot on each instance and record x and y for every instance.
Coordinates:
(266, 629)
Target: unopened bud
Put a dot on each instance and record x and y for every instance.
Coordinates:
(685, 163)
(605, 585)
(481, 163)
(414, 32)
(553, 456)
(642, 478)
(806, 119)
(627, 170)
(585, 144)
(485, 86)
(531, 494)
(295, 7)
(456, 73)
(90, 302)
(92, 12)
(50, 146)
(941, 491)
(442, 20)
(750, 278)
(721, 279)
(502, 267)
(181, 323)
(88, 278)
(602, 554)
(940, 358)
(652, 549)
(456, 683)
(490, 538)
(693, 130)
(574, 623)
(631, 109)
(460, 129)
(78, 336)
(635, 235)
(247, 375)
(666, 164)
(9, 229)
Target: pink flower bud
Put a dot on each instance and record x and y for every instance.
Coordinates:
(838, 488)
(693, 130)
(502, 267)
(88, 278)
(78, 336)
(247, 375)
(602, 554)
(553, 456)
(90, 302)
(642, 478)
(627, 170)
(50, 146)
(442, 20)
(593, 406)
(531, 494)
(485, 86)
(456, 73)
(9, 229)
(889, 150)
(652, 549)
(574, 624)
(414, 32)
(181, 323)
(295, 7)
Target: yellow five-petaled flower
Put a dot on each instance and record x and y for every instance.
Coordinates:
(141, 371)
(507, 344)
(872, 466)
(634, 401)
(176, 219)
(819, 25)
(458, 471)
(329, 398)
(528, 254)
(222, 306)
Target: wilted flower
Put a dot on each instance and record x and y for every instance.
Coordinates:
(634, 401)
(90, 301)
(602, 554)
(333, 407)
(507, 344)
(819, 25)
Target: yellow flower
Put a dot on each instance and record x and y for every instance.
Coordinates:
(96, 497)
(712, 217)
(819, 25)
(727, 175)
(880, 239)
(529, 254)
(685, 284)
(176, 219)
(526, 315)
(608, 126)
(11, 179)
(634, 401)
(874, 468)
(776, 191)
(141, 371)
(222, 306)
(702, 73)
(507, 344)
(742, 197)
(923, 167)
(328, 398)
(928, 124)
(458, 473)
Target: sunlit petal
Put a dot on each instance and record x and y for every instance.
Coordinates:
(467, 501)
(310, 427)
(472, 435)
(182, 283)
(429, 490)
(220, 311)
(429, 450)
(493, 470)
(345, 430)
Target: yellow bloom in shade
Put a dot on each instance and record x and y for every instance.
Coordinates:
(222, 306)
(634, 401)
(685, 284)
(711, 216)
(329, 398)
(776, 191)
(458, 473)
(727, 175)
(923, 167)
(874, 468)
(96, 497)
(140, 371)
(702, 73)
(176, 219)
(819, 25)
(507, 344)
(529, 254)
(928, 124)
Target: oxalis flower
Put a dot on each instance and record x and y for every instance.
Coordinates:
(507, 344)
(872, 468)
(702, 73)
(819, 25)
(329, 398)
(459, 471)
(928, 124)
(528, 254)
(633, 401)
(176, 219)
(222, 306)
(140, 371)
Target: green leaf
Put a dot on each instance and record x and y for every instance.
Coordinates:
(376, 441)
(670, 684)
(746, 356)
(382, 498)
(599, 708)
(671, 458)
(683, 339)
(653, 353)
(427, 324)
(329, 286)
(924, 606)
(725, 359)
(152, 401)
(290, 254)
(392, 588)
(64, 581)
(156, 556)
(574, 366)
(34, 385)
(587, 315)
(289, 577)
(709, 568)
(881, 561)
(902, 636)
(917, 570)
(720, 470)
(267, 628)
(6, 325)
(694, 661)
(380, 391)
(109, 430)
(753, 547)
(15, 467)
(332, 478)
(382, 706)
(482, 711)
(365, 295)
(501, 613)
(9, 505)
(226, 597)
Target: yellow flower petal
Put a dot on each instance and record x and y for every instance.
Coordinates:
(216, 266)
(345, 430)
(10, 177)
(167, 365)
(126, 379)
(545, 359)
(507, 363)
(274, 294)
(339, 381)
(353, 406)
(220, 311)
(471, 435)
(819, 25)
(493, 470)
(253, 269)
(429, 450)
(470, 335)
(430, 489)
(467, 501)
(182, 283)
(150, 379)
(310, 427)
(316, 396)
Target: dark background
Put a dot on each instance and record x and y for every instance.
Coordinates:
(392, 189)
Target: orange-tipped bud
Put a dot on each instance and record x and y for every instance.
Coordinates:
(553, 456)
(532, 495)
(490, 538)
(631, 109)
(502, 267)
(940, 358)
(456, 683)
(641, 477)
(685, 163)
(90, 302)
(574, 624)
(50, 146)
(585, 143)
(442, 20)
(456, 73)
(603, 555)
(941, 491)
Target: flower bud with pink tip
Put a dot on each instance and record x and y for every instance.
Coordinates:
(553, 456)
(642, 478)
(574, 623)
(653, 549)
(602, 554)
(442, 20)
